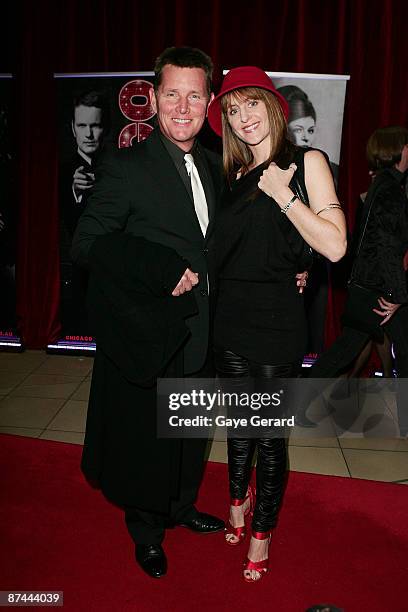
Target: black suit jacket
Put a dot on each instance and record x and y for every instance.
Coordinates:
(139, 191)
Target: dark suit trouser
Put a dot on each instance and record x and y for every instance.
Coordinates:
(148, 527)
(350, 343)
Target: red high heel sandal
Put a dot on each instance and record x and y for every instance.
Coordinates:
(240, 532)
(261, 567)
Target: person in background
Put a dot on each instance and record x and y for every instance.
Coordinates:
(379, 267)
(382, 347)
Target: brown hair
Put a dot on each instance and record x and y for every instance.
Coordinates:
(384, 147)
(235, 151)
(183, 57)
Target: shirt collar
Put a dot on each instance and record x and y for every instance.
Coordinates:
(175, 152)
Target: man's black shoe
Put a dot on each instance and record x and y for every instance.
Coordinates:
(203, 523)
(152, 559)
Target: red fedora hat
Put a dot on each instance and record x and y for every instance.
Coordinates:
(245, 76)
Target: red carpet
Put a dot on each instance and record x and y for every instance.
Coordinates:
(339, 540)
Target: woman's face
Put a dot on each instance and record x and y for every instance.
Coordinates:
(249, 120)
(302, 131)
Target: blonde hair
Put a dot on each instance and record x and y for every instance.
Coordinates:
(235, 151)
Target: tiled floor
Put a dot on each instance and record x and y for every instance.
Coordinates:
(45, 396)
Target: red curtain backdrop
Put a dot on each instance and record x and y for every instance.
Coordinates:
(363, 38)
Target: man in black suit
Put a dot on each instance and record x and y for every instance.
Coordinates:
(89, 126)
(147, 191)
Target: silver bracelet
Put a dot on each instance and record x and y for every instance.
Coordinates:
(328, 208)
(285, 209)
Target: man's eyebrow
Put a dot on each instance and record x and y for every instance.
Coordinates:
(177, 90)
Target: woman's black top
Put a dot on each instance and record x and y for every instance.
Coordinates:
(259, 313)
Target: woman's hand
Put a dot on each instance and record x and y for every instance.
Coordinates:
(325, 232)
(275, 181)
(186, 282)
(387, 309)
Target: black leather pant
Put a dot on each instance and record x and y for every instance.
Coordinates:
(271, 460)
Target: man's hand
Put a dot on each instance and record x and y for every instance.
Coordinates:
(186, 283)
(387, 309)
(82, 180)
(302, 280)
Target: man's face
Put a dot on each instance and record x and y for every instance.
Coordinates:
(87, 128)
(181, 104)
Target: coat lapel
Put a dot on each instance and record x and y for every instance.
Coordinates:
(168, 181)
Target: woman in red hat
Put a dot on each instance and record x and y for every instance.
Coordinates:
(279, 199)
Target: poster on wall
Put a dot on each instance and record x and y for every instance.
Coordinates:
(96, 113)
(9, 337)
(316, 109)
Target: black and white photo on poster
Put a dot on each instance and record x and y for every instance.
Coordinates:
(316, 109)
(97, 113)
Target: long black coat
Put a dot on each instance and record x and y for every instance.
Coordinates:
(140, 328)
(138, 191)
